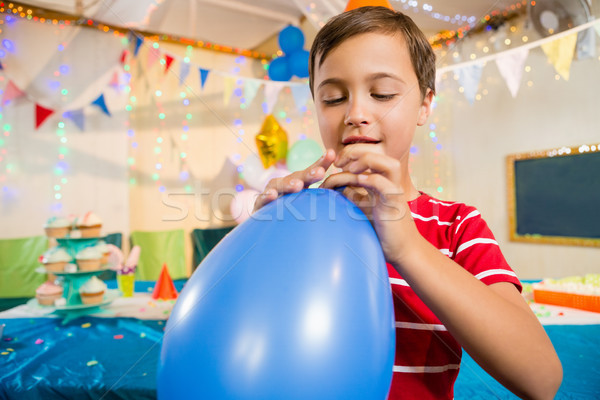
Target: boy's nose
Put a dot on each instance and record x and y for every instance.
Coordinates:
(356, 116)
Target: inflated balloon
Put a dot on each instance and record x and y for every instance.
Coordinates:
(294, 303)
(242, 204)
(271, 141)
(298, 63)
(290, 39)
(279, 70)
(302, 154)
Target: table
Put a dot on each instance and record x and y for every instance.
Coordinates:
(103, 357)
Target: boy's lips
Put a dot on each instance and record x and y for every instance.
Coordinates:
(359, 139)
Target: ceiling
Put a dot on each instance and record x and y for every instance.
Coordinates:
(247, 24)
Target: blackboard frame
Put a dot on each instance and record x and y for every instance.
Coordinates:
(511, 160)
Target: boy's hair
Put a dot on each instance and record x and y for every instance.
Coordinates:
(380, 20)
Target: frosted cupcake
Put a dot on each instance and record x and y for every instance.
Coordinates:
(88, 259)
(104, 250)
(57, 227)
(92, 291)
(47, 293)
(55, 259)
(90, 225)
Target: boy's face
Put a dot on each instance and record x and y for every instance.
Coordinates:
(367, 94)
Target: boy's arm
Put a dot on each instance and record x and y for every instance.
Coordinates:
(492, 323)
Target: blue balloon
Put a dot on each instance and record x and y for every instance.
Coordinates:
(298, 63)
(291, 39)
(294, 303)
(279, 70)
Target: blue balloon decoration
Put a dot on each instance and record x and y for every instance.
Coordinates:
(294, 303)
(291, 39)
(298, 63)
(279, 70)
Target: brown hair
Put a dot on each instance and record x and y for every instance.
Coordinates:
(382, 20)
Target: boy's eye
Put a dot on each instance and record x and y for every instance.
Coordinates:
(383, 96)
(333, 101)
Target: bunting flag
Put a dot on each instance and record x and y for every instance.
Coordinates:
(184, 71)
(203, 76)
(11, 92)
(229, 86)
(560, 53)
(77, 117)
(301, 94)
(123, 57)
(114, 81)
(41, 114)
(251, 87)
(586, 44)
(102, 104)
(168, 62)
(138, 43)
(511, 66)
(469, 77)
(153, 57)
(272, 90)
(352, 4)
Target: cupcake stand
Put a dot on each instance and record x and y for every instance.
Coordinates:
(72, 281)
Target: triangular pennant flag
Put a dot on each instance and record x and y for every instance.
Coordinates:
(352, 4)
(560, 53)
(164, 288)
(272, 90)
(11, 92)
(251, 87)
(138, 43)
(511, 68)
(114, 81)
(77, 117)
(153, 57)
(123, 57)
(229, 86)
(41, 114)
(203, 76)
(469, 78)
(586, 44)
(301, 94)
(168, 62)
(102, 104)
(184, 71)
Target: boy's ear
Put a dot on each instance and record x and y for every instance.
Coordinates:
(425, 108)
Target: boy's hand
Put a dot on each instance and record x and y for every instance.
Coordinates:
(295, 181)
(374, 183)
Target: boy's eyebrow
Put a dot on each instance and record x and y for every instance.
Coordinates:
(372, 77)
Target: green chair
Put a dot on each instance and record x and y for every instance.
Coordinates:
(204, 240)
(18, 261)
(158, 248)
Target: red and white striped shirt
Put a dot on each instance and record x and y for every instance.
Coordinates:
(427, 356)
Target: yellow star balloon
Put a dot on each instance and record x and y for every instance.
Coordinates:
(272, 142)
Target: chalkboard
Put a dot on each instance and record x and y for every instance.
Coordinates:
(554, 196)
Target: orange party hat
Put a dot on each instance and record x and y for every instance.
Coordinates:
(164, 288)
(352, 4)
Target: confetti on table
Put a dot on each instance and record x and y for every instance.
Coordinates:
(86, 325)
(70, 334)
(91, 363)
(142, 335)
(7, 339)
(9, 349)
(166, 311)
(151, 304)
(39, 341)
(142, 309)
(118, 337)
(4, 353)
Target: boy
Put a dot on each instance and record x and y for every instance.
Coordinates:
(372, 76)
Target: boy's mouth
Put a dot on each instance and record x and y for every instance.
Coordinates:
(359, 139)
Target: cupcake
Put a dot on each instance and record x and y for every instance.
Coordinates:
(47, 293)
(57, 227)
(104, 250)
(88, 259)
(89, 225)
(92, 291)
(55, 259)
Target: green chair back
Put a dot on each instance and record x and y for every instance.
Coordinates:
(158, 248)
(204, 240)
(18, 261)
